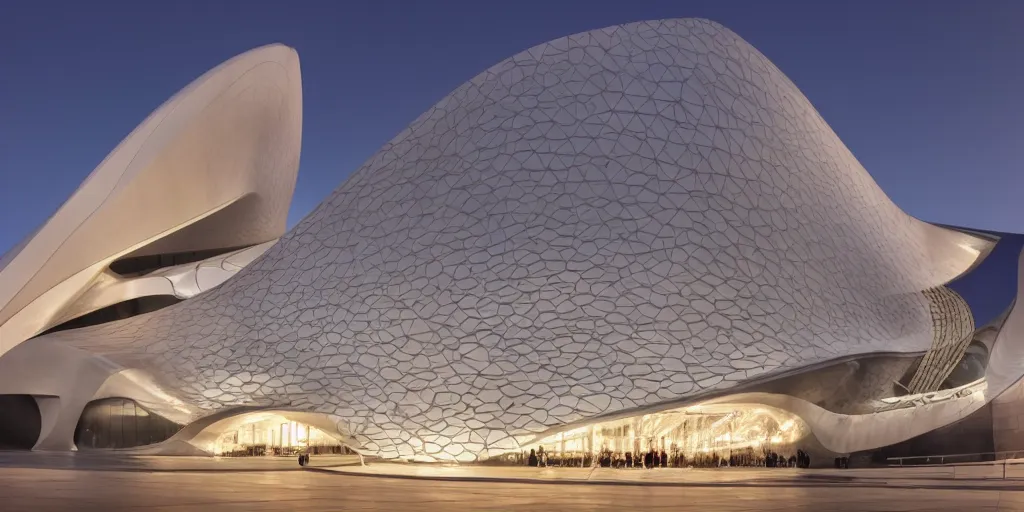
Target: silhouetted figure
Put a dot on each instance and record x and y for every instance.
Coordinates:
(542, 458)
(649, 459)
(664, 459)
(532, 461)
(629, 459)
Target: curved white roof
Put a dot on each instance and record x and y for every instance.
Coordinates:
(221, 156)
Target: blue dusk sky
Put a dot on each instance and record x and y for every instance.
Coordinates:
(927, 94)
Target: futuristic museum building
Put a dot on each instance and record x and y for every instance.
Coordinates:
(637, 237)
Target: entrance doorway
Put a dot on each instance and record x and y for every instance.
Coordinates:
(20, 422)
(273, 434)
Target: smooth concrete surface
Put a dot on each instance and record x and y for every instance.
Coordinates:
(257, 484)
(86, 461)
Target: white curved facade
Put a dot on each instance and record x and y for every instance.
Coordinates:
(214, 167)
(212, 170)
(626, 219)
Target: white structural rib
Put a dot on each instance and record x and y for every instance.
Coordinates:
(213, 168)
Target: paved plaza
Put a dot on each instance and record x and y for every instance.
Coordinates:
(33, 482)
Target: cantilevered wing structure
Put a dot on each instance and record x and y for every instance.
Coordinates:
(619, 240)
(194, 193)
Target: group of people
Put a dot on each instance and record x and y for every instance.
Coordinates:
(749, 458)
(540, 458)
(653, 459)
(608, 459)
(649, 460)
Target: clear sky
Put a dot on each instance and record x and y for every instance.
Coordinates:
(927, 94)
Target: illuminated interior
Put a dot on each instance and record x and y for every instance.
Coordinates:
(273, 434)
(687, 432)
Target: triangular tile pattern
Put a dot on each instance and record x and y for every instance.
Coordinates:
(610, 220)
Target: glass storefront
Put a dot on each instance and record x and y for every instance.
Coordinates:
(120, 423)
(692, 436)
(272, 434)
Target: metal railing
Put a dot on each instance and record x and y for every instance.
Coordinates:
(967, 465)
(958, 458)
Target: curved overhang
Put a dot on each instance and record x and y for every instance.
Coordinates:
(213, 167)
(180, 281)
(201, 435)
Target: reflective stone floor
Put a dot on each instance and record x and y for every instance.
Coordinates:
(975, 475)
(173, 484)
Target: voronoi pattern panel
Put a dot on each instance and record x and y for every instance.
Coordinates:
(614, 219)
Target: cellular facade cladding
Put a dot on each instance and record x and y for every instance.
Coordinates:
(632, 219)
